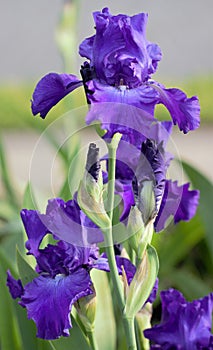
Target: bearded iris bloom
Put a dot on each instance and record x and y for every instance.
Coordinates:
(184, 325)
(120, 64)
(150, 165)
(62, 277)
(63, 269)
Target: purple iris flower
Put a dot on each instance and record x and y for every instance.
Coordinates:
(184, 325)
(62, 271)
(135, 167)
(121, 63)
(63, 268)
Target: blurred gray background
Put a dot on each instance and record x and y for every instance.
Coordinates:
(183, 29)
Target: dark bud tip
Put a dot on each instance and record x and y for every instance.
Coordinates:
(93, 162)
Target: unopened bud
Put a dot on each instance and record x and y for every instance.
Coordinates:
(86, 309)
(139, 235)
(142, 283)
(90, 193)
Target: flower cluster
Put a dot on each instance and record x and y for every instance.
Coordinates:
(117, 79)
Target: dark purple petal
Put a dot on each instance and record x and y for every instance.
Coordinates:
(51, 89)
(178, 202)
(153, 294)
(144, 97)
(119, 51)
(184, 325)
(184, 111)
(152, 166)
(62, 258)
(67, 222)
(155, 56)
(34, 228)
(15, 286)
(127, 196)
(49, 301)
(129, 268)
(86, 48)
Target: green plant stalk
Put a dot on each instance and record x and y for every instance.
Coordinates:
(129, 328)
(92, 340)
(128, 323)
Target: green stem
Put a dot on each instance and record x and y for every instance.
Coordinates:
(113, 268)
(92, 340)
(111, 180)
(112, 148)
(108, 234)
(129, 329)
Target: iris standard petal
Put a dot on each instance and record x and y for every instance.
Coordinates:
(178, 202)
(34, 228)
(49, 301)
(50, 90)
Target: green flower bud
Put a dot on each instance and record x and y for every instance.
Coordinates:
(142, 283)
(139, 234)
(86, 309)
(146, 201)
(90, 193)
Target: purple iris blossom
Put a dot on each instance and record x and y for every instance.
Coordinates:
(134, 168)
(63, 272)
(184, 325)
(121, 63)
(63, 269)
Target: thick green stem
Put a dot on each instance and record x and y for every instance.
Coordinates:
(92, 340)
(108, 234)
(129, 329)
(113, 268)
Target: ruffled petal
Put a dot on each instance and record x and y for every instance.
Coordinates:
(116, 107)
(155, 56)
(51, 89)
(184, 325)
(86, 48)
(34, 228)
(184, 111)
(67, 222)
(49, 301)
(178, 202)
(15, 286)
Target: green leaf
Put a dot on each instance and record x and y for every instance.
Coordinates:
(104, 322)
(206, 201)
(10, 337)
(191, 286)
(76, 340)
(6, 179)
(29, 201)
(26, 272)
(174, 247)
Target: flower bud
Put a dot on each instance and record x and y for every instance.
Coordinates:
(90, 193)
(139, 234)
(86, 309)
(142, 283)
